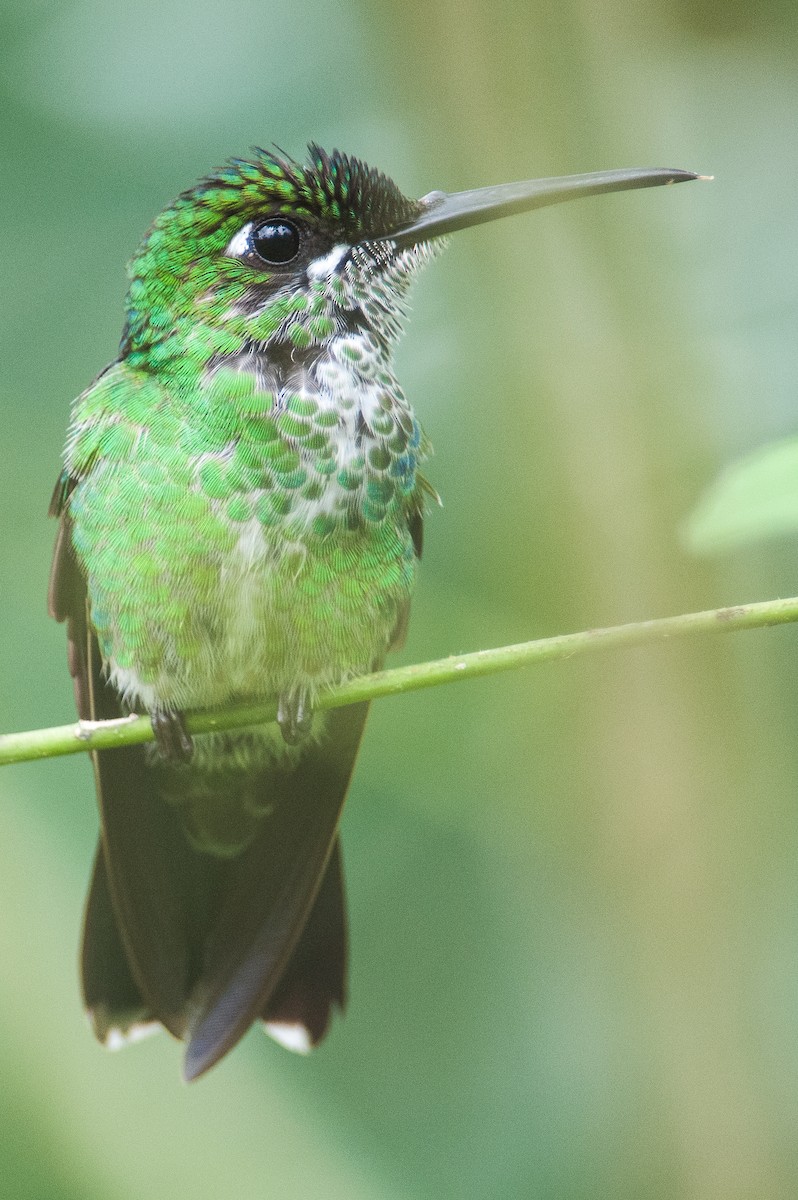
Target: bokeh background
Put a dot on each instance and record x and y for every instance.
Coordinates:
(573, 891)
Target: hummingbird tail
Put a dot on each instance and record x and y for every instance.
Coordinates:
(204, 945)
(297, 1016)
(276, 947)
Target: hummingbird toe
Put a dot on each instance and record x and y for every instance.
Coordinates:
(295, 717)
(173, 740)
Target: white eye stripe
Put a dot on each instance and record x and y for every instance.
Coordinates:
(238, 245)
(323, 267)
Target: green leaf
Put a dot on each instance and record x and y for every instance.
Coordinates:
(753, 499)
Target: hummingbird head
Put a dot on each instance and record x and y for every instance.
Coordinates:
(269, 258)
(268, 252)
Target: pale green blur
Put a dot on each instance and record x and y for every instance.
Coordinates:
(573, 892)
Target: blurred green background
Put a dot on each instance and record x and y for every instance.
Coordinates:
(574, 892)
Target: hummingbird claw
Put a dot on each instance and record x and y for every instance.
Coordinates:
(295, 717)
(173, 740)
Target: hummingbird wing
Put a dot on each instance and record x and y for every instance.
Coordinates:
(415, 525)
(204, 945)
(143, 864)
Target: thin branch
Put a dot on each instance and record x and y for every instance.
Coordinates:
(128, 731)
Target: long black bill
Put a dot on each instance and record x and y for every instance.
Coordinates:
(442, 212)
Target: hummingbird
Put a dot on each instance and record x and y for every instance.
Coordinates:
(241, 517)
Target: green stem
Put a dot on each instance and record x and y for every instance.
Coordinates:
(82, 736)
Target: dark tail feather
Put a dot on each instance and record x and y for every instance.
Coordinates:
(110, 994)
(150, 871)
(314, 984)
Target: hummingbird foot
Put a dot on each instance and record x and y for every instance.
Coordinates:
(173, 740)
(295, 717)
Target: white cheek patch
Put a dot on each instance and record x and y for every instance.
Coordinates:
(239, 242)
(322, 268)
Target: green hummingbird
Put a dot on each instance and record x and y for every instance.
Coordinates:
(241, 512)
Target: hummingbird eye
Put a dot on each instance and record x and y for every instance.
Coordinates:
(276, 241)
